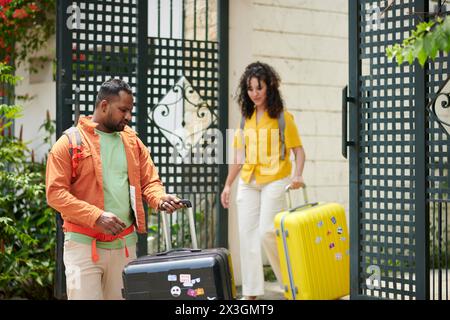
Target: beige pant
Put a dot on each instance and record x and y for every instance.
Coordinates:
(257, 206)
(102, 280)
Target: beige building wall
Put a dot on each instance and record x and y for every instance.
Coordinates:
(306, 41)
(42, 89)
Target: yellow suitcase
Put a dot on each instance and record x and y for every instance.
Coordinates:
(313, 245)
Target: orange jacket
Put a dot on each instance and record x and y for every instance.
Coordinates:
(81, 201)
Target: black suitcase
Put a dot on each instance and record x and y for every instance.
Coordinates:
(180, 274)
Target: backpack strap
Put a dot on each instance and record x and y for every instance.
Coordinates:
(242, 131)
(281, 127)
(74, 136)
(242, 125)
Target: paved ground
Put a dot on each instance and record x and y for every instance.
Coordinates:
(273, 292)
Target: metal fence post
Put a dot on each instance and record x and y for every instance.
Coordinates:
(223, 23)
(354, 71)
(141, 96)
(421, 206)
(63, 121)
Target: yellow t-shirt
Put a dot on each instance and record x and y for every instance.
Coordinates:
(260, 140)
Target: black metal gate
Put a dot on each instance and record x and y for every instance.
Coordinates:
(174, 55)
(399, 152)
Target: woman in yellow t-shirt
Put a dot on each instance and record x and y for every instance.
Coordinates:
(265, 172)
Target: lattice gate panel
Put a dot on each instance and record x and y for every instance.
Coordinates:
(183, 74)
(183, 124)
(184, 67)
(386, 157)
(104, 46)
(438, 154)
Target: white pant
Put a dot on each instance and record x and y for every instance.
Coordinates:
(257, 206)
(87, 280)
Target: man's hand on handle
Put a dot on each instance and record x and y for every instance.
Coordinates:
(170, 203)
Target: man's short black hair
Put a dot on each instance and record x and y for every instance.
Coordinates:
(111, 88)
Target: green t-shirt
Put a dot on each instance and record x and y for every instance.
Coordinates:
(116, 189)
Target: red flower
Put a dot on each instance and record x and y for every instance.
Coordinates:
(4, 3)
(77, 56)
(20, 14)
(33, 7)
(81, 57)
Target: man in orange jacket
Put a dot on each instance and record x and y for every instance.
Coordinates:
(98, 175)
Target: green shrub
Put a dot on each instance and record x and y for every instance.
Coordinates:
(27, 224)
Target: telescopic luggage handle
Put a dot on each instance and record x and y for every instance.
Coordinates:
(165, 253)
(305, 195)
(166, 229)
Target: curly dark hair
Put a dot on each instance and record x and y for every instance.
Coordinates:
(262, 72)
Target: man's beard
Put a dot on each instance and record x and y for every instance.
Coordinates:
(114, 127)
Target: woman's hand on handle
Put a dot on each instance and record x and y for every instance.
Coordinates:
(297, 182)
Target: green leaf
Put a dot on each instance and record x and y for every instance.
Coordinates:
(446, 26)
(420, 28)
(41, 221)
(39, 281)
(418, 47)
(389, 52)
(430, 45)
(410, 56)
(5, 220)
(422, 57)
(10, 112)
(399, 57)
(441, 39)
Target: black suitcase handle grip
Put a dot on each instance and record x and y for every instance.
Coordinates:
(165, 253)
(186, 203)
